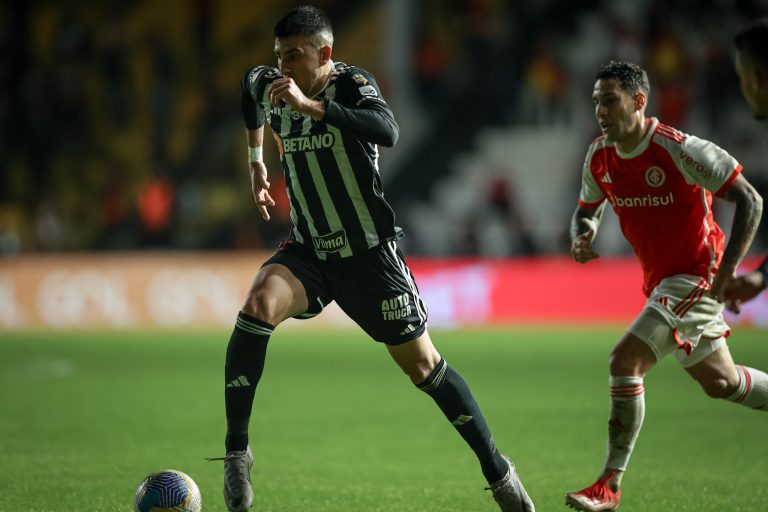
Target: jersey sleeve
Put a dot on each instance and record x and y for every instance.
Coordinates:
(358, 89)
(590, 195)
(707, 164)
(359, 108)
(252, 90)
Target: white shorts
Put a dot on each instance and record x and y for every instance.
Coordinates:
(681, 317)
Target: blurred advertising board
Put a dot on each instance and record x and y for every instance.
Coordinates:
(172, 290)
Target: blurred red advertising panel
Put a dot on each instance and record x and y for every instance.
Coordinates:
(207, 289)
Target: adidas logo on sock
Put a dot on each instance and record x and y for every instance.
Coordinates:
(461, 420)
(240, 382)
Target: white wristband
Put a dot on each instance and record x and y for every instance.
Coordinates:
(255, 154)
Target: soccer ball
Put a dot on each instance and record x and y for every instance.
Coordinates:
(168, 490)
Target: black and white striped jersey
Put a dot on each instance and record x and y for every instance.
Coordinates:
(331, 165)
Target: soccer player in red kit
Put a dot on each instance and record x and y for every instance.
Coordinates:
(661, 183)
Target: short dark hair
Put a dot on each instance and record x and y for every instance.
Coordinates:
(306, 21)
(752, 40)
(630, 77)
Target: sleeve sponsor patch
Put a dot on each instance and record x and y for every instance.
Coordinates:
(360, 79)
(367, 90)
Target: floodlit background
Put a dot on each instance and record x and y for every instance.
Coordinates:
(121, 128)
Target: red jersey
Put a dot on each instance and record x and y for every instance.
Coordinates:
(662, 194)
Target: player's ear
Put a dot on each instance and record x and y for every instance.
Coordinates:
(325, 54)
(641, 100)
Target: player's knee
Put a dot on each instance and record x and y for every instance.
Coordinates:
(263, 306)
(620, 365)
(419, 371)
(630, 360)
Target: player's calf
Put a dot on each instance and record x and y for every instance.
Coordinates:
(452, 395)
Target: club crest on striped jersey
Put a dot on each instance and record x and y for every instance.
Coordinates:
(284, 110)
(655, 176)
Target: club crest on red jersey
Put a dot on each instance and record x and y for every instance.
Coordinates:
(655, 177)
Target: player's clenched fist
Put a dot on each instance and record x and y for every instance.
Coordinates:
(286, 90)
(581, 248)
(743, 289)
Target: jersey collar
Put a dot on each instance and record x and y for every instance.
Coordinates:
(643, 143)
(332, 74)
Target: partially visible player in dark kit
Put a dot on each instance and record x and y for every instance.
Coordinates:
(751, 43)
(328, 119)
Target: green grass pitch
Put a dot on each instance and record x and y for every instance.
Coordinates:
(337, 427)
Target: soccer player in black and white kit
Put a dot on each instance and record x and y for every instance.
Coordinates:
(751, 42)
(328, 119)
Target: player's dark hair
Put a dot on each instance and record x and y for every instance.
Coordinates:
(752, 40)
(630, 77)
(306, 21)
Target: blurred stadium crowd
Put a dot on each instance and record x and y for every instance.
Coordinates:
(121, 125)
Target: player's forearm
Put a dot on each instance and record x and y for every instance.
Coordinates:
(373, 124)
(584, 219)
(577, 227)
(255, 137)
(253, 116)
(313, 108)
(746, 218)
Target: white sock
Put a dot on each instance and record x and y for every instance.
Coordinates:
(753, 389)
(626, 418)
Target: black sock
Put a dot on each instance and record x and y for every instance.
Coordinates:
(454, 398)
(244, 365)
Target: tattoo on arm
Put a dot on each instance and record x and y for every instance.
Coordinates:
(746, 218)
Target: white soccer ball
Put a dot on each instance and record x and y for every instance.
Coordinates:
(168, 490)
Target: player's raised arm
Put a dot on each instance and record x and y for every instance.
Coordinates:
(375, 122)
(749, 208)
(360, 109)
(584, 224)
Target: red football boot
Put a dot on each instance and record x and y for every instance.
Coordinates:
(595, 498)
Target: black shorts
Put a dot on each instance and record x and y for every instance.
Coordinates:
(376, 289)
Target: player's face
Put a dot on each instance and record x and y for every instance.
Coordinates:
(299, 59)
(754, 85)
(616, 110)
